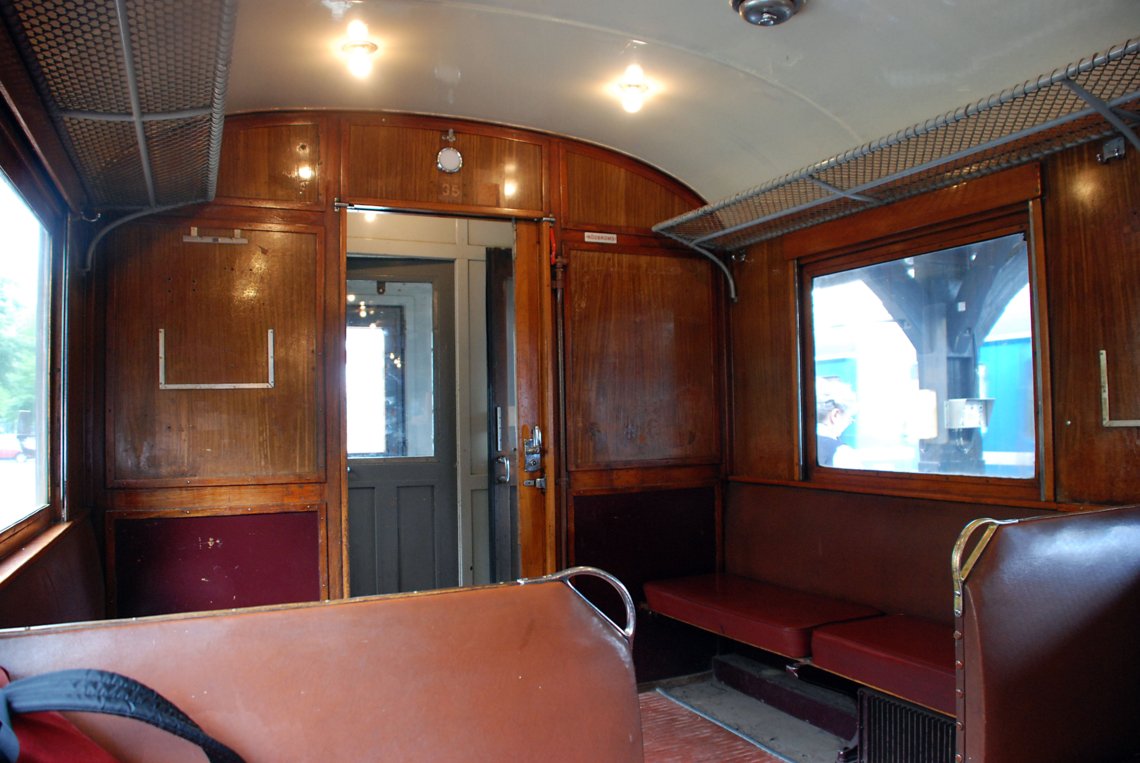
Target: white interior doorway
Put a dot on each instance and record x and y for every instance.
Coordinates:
(463, 243)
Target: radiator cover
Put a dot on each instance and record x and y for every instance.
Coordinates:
(893, 731)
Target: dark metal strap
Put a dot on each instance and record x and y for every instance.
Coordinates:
(101, 691)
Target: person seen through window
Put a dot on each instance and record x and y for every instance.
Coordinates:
(835, 410)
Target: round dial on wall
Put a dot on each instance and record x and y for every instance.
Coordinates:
(449, 159)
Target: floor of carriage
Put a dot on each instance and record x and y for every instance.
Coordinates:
(701, 719)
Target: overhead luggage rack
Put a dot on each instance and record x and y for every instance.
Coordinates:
(1091, 99)
(135, 91)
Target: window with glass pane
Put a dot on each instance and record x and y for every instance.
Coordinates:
(24, 349)
(924, 363)
(389, 370)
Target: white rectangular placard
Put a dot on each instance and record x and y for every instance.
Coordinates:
(601, 238)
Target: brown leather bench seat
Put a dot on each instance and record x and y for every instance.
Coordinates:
(504, 672)
(909, 657)
(1049, 617)
(906, 656)
(770, 617)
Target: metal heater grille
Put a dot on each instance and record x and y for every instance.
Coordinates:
(135, 89)
(1019, 125)
(892, 731)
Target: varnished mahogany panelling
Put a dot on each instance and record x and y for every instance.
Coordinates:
(1092, 239)
(216, 304)
(642, 360)
(892, 553)
(601, 192)
(56, 578)
(271, 163)
(648, 535)
(384, 162)
(764, 379)
(186, 564)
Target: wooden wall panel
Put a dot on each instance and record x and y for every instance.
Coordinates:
(765, 372)
(1092, 240)
(643, 363)
(216, 304)
(266, 163)
(650, 535)
(167, 564)
(55, 578)
(892, 553)
(601, 191)
(386, 161)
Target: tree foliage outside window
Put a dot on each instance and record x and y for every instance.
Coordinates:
(17, 355)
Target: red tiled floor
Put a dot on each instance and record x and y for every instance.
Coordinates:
(673, 733)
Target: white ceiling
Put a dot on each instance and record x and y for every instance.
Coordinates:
(739, 105)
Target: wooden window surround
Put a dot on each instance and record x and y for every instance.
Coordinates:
(982, 209)
(23, 169)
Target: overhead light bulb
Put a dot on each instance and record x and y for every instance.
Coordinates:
(633, 88)
(358, 49)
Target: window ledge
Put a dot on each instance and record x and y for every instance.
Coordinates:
(25, 553)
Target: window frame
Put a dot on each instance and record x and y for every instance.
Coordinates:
(24, 172)
(912, 234)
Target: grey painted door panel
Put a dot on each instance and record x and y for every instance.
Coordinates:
(402, 511)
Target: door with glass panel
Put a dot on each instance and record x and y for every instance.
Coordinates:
(502, 408)
(400, 422)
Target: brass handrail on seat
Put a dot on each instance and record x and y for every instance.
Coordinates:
(567, 575)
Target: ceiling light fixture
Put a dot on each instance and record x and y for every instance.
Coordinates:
(358, 49)
(767, 12)
(633, 88)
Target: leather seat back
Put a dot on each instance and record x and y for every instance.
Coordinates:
(492, 673)
(1050, 622)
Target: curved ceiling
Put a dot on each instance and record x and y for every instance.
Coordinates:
(735, 104)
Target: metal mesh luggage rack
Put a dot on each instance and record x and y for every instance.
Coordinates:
(135, 90)
(1085, 101)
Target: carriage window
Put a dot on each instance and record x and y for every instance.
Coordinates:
(24, 349)
(924, 363)
(389, 373)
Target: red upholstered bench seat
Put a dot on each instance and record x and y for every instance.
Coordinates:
(763, 615)
(906, 656)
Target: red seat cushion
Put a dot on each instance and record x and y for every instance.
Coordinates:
(48, 736)
(906, 656)
(760, 614)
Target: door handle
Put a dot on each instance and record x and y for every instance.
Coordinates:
(504, 479)
(532, 451)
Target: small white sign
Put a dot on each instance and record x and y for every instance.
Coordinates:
(601, 238)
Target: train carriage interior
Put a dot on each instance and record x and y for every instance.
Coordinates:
(512, 379)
